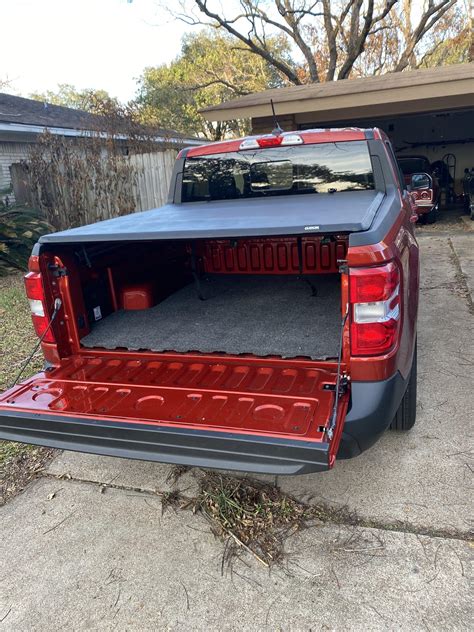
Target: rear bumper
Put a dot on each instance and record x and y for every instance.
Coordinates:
(425, 207)
(229, 451)
(372, 408)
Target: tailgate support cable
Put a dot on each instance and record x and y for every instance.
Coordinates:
(57, 307)
(341, 381)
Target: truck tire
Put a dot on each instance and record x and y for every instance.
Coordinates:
(431, 216)
(405, 416)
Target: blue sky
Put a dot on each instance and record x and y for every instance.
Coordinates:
(88, 43)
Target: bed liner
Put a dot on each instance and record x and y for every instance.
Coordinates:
(260, 315)
(346, 211)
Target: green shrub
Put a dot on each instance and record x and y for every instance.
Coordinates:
(20, 229)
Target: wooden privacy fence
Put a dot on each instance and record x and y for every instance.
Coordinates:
(85, 182)
(152, 178)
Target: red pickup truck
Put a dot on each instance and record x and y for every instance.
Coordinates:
(263, 320)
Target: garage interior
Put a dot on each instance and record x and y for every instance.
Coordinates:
(427, 112)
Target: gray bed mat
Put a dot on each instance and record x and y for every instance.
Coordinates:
(261, 315)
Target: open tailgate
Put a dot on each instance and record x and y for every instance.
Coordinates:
(252, 414)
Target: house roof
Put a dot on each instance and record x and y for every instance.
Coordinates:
(31, 112)
(18, 114)
(414, 90)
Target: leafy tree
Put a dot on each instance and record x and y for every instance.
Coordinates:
(398, 43)
(67, 95)
(211, 69)
(334, 39)
(452, 40)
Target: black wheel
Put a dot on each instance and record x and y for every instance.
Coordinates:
(432, 216)
(405, 416)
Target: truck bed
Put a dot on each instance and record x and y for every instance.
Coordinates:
(259, 315)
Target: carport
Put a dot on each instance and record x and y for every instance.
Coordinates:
(427, 112)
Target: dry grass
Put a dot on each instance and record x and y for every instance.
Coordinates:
(249, 515)
(256, 516)
(18, 463)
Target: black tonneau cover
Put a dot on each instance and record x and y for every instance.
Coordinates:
(348, 211)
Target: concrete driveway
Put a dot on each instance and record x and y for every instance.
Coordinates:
(77, 557)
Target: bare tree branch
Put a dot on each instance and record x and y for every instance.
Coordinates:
(286, 10)
(429, 18)
(259, 49)
(331, 34)
(214, 82)
(336, 38)
(358, 39)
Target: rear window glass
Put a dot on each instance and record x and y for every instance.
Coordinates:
(322, 168)
(413, 165)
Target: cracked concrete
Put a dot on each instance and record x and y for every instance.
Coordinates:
(462, 249)
(89, 560)
(94, 559)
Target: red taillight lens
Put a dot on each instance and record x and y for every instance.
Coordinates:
(369, 339)
(34, 286)
(269, 141)
(33, 264)
(373, 284)
(40, 323)
(375, 298)
(39, 314)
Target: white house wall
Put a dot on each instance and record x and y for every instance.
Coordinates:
(10, 153)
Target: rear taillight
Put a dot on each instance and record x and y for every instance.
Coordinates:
(375, 301)
(39, 313)
(271, 140)
(423, 195)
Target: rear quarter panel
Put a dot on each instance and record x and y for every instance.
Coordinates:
(390, 238)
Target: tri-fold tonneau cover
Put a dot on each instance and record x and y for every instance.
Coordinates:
(348, 211)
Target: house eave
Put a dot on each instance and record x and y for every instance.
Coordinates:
(25, 130)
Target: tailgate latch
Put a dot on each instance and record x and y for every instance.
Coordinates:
(343, 384)
(343, 266)
(58, 271)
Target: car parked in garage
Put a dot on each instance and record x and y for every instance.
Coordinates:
(424, 186)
